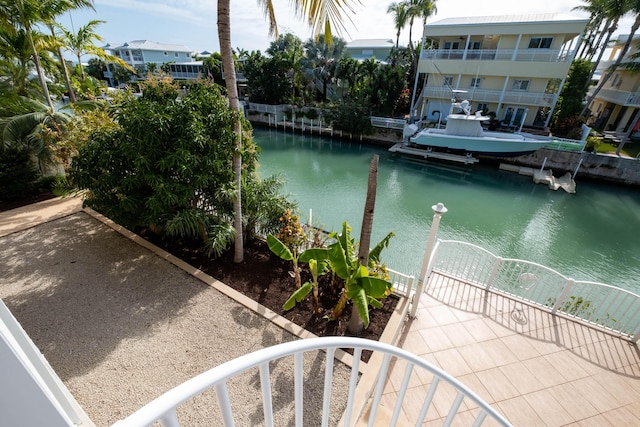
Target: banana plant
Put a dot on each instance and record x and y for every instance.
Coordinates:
(281, 250)
(317, 259)
(360, 288)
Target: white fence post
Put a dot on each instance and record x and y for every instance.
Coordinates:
(563, 295)
(438, 210)
(493, 273)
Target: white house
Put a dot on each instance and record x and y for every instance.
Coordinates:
(513, 66)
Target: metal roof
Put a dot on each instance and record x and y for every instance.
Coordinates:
(507, 19)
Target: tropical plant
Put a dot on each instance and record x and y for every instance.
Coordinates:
(400, 17)
(264, 205)
(573, 92)
(37, 131)
(361, 286)
(25, 14)
(318, 265)
(321, 60)
(289, 242)
(167, 167)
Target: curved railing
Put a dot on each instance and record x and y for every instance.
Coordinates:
(164, 408)
(609, 307)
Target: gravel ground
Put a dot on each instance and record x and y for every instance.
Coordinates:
(120, 326)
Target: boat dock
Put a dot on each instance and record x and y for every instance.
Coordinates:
(427, 153)
(542, 176)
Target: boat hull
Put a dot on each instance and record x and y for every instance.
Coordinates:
(497, 144)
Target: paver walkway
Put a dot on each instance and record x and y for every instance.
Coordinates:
(534, 368)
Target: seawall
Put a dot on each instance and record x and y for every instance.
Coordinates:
(599, 167)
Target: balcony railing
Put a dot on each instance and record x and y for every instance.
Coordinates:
(164, 408)
(528, 55)
(538, 99)
(607, 307)
(620, 97)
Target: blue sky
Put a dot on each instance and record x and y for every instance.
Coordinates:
(193, 22)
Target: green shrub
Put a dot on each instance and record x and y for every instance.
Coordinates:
(167, 167)
(18, 173)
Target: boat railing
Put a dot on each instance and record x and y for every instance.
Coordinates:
(314, 405)
(607, 307)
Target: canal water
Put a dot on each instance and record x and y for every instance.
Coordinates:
(591, 235)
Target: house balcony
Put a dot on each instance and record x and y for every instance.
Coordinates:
(536, 99)
(619, 97)
(526, 55)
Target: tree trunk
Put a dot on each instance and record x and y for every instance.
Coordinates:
(355, 322)
(224, 34)
(615, 65)
(36, 61)
(628, 133)
(65, 71)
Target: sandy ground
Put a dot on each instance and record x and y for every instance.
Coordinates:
(120, 325)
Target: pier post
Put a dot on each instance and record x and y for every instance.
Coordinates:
(438, 211)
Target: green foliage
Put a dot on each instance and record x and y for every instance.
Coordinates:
(360, 287)
(351, 116)
(18, 174)
(263, 204)
(267, 79)
(573, 92)
(162, 90)
(593, 144)
(166, 167)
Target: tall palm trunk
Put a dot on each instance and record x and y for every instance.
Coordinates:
(606, 77)
(65, 70)
(36, 61)
(355, 322)
(224, 34)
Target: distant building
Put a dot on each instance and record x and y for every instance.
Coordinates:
(512, 66)
(618, 102)
(370, 48)
(139, 53)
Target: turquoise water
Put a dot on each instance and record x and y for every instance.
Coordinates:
(592, 235)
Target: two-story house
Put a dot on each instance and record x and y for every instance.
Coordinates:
(511, 66)
(617, 103)
(139, 53)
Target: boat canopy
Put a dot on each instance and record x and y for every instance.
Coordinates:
(463, 125)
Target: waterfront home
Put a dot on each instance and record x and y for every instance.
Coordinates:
(512, 66)
(139, 53)
(369, 48)
(617, 103)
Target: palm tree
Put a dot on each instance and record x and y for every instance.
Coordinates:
(400, 16)
(321, 59)
(15, 60)
(53, 9)
(25, 14)
(82, 42)
(419, 9)
(321, 14)
(613, 10)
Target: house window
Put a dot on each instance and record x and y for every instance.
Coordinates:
(540, 42)
(482, 107)
(367, 52)
(450, 45)
(475, 45)
(176, 54)
(165, 53)
(616, 81)
(520, 85)
(448, 81)
(475, 82)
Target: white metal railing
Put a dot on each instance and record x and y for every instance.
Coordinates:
(541, 99)
(402, 283)
(625, 98)
(164, 408)
(529, 55)
(388, 123)
(598, 304)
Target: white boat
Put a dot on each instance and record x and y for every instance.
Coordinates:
(464, 133)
